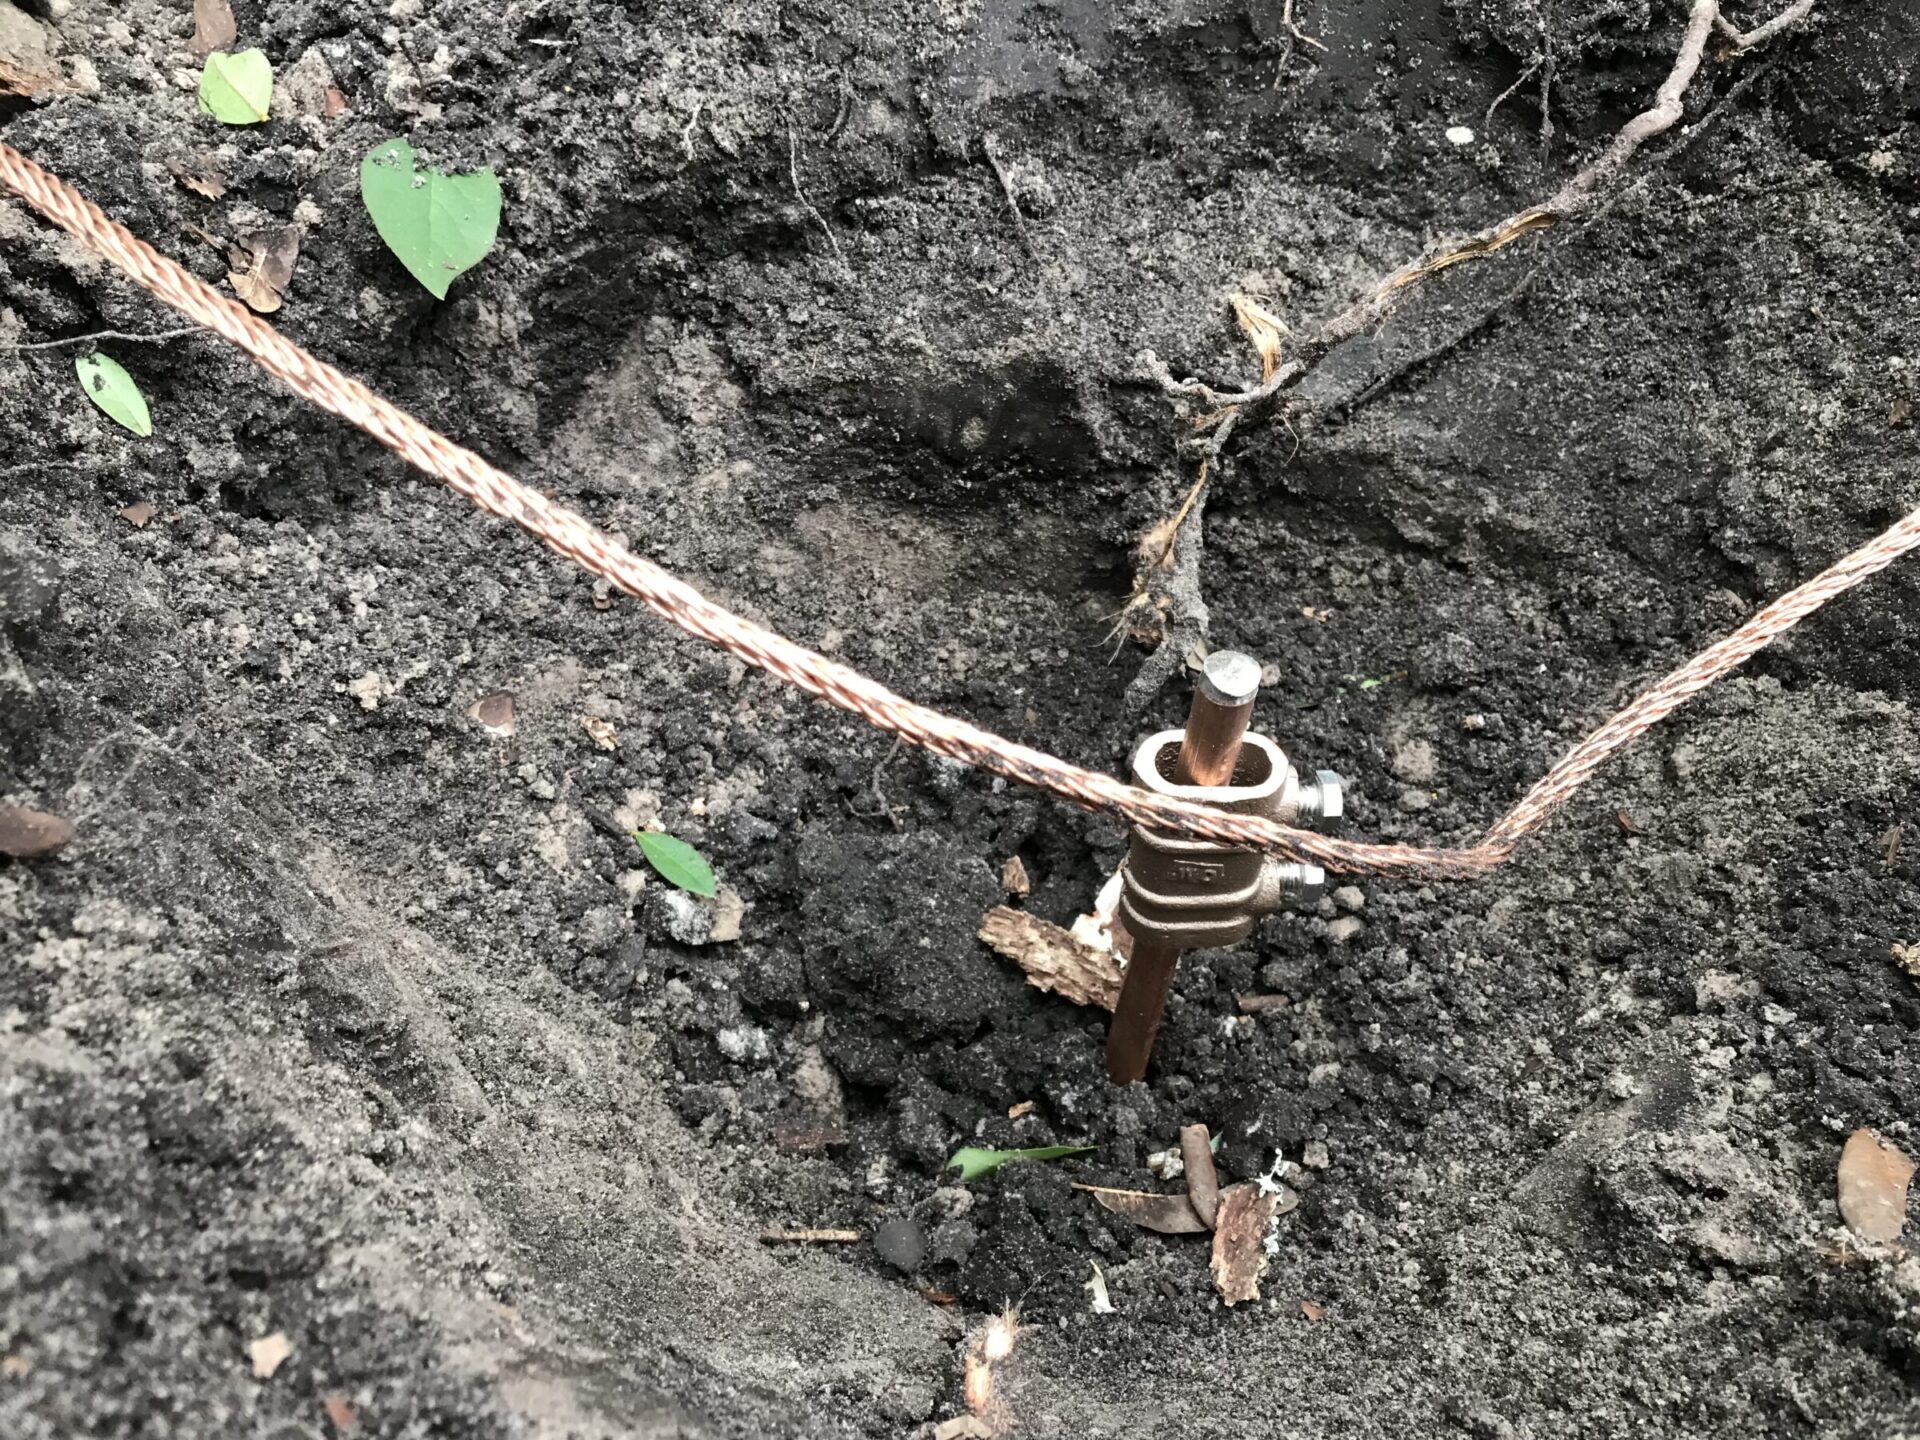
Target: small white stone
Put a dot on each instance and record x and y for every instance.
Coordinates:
(1460, 134)
(1315, 1156)
(1345, 930)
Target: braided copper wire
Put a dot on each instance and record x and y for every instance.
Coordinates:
(571, 537)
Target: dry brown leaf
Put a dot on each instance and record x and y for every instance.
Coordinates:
(1873, 1187)
(1263, 328)
(1313, 1311)
(213, 27)
(600, 732)
(268, 1354)
(1053, 959)
(139, 514)
(204, 180)
(494, 712)
(263, 266)
(1203, 1181)
(1169, 1214)
(27, 834)
(339, 1413)
(1240, 1242)
(1013, 877)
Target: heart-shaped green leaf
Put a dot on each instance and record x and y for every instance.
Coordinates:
(440, 226)
(112, 389)
(237, 89)
(678, 862)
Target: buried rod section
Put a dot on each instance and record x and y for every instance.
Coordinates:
(1222, 706)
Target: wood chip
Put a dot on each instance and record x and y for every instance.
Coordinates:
(1013, 877)
(138, 514)
(27, 834)
(262, 266)
(1261, 1004)
(494, 712)
(1907, 957)
(1053, 960)
(1873, 1187)
(1313, 1311)
(810, 1237)
(1203, 1182)
(268, 1354)
(1025, 1107)
(213, 27)
(1240, 1242)
(339, 1413)
(1169, 1214)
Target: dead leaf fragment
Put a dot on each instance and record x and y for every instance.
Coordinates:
(339, 1413)
(268, 1354)
(1168, 1214)
(1907, 957)
(138, 514)
(336, 104)
(601, 733)
(494, 712)
(262, 264)
(1053, 960)
(27, 834)
(1203, 1182)
(1240, 1242)
(213, 27)
(1263, 328)
(1873, 1187)
(1013, 877)
(14, 1366)
(204, 180)
(1313, 1311)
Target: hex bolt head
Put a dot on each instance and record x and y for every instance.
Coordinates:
(1323, 802)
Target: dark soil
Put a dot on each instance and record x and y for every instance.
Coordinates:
(343, 1020)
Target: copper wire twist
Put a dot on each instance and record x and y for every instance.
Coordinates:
(572, 537)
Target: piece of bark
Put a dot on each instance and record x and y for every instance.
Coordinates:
(1053, 960)
(1013, 877)
(1169, 1214)
(213, 27)
(27, 834)
(1240, 1242)
(1873, 1187)
(1203, 1182)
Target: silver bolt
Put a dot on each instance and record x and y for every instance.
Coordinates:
(1229, 678)
(1323, 802)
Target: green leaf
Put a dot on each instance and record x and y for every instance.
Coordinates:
(678, 862)
(440, 226)
(237, 89)
(972, 1162)
(112, 389)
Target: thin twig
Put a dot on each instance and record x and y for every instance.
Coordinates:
(148, 339)
(793, 170)
(1486, 122)
(988, 144)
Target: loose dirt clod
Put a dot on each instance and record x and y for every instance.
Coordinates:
(1873, 1187)
(27, 834)
(1053, 960)
(1240, 1242)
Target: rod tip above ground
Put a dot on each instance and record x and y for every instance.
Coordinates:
(1230, 678)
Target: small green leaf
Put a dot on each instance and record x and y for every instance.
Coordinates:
(678, 862)
(440, 226)
(237, 89)
(112, 389)
(972, 1162)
